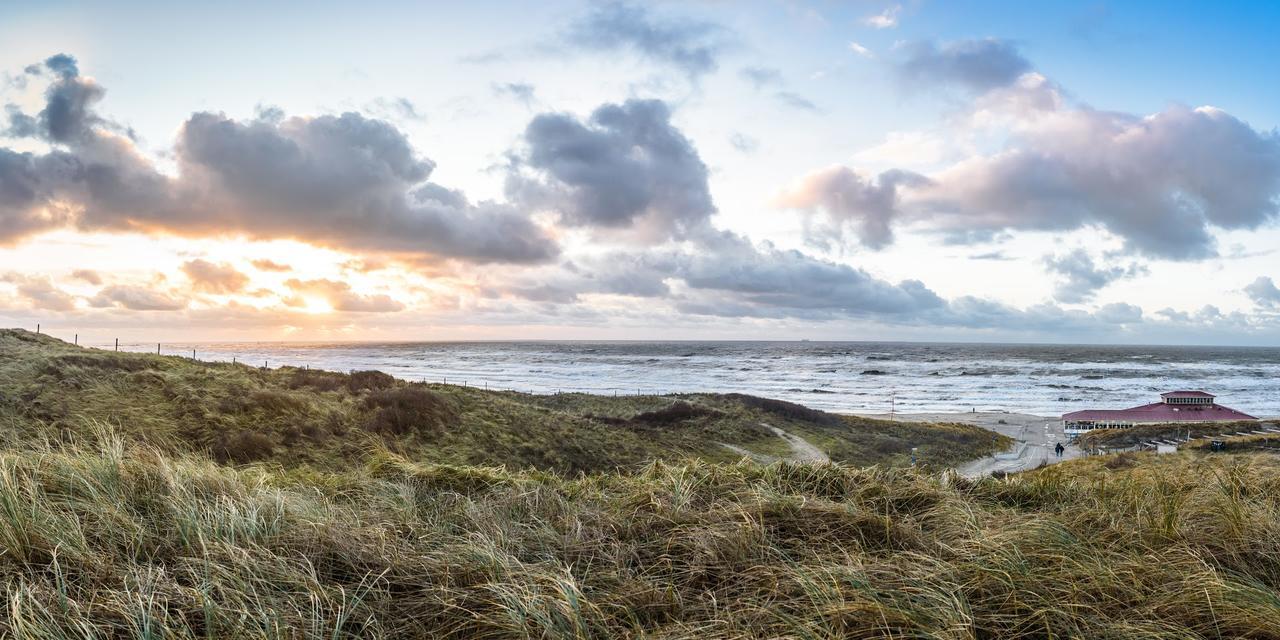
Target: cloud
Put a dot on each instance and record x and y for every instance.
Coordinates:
(1162, 182)
(625, 168)
(840, 202)
(1263, 292)
(886, 19)
(87, 275)
(214, 278)
(270, 265)
(68, 113)
(135, 298)
(743, 142)
(1119, 313)
(691, 46)
(346, 181)
(795, 101)
(396, 109)
(40, 292)
(340, 296)
(761, 77)
(521, 92)
(976, 65)
(766, 77)
(763, 280)
(1081, 279)
(860, 50)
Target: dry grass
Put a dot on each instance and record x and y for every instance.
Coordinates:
(300, 417)
(103, 540)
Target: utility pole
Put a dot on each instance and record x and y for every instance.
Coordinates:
(893, 403)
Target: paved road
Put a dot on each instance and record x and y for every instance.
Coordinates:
(1035, 436)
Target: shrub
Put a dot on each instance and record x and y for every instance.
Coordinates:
(317, 379)
(409, 409)
(678, 411)
(370, 380)
(788, 410)
(243, 447)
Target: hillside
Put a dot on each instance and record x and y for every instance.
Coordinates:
(107, 539)
(305, 418)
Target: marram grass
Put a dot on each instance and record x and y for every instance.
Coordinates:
(104, 539)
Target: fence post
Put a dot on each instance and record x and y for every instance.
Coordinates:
(157, 348)
(77, 340)
(37, 328)
(117, 344)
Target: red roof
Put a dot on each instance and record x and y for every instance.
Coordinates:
(1186, 394)
(1161, 412)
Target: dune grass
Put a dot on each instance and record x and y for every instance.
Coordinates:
(106, 539)
(240, 414)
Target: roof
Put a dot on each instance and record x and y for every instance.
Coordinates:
(1186, 394)
(1161, 412)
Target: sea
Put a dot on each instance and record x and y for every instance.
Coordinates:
(849, 377)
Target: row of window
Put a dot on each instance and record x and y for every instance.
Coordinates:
(1188, 400)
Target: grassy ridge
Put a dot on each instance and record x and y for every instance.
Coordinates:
(106, 539)
(301, 418)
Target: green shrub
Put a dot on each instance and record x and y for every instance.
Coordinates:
(409, 409)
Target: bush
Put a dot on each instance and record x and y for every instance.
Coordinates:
(243, 448)
(788, 410)
(409, 409)
(317, 379)
(370, 381)
(678, 411)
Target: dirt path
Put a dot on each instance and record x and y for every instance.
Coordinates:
(801, 450)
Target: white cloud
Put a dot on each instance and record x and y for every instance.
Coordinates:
(861, 50)
(886, 19)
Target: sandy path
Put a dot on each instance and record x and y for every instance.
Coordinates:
(801, 450)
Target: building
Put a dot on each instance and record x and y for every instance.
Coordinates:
(1174, 406)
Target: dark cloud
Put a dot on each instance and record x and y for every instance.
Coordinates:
(977, 65)
(768, 279)
(136, 298)
(1263, 292)
(344, 181)
(627, 167)
(841, 202)
(68, 113)
(691, 46)
(1081, 278)
(218, 278)
(519, 91)
(340, 296)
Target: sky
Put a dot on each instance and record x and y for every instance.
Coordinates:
(859, 170)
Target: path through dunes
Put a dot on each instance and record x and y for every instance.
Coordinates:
(801, 450)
